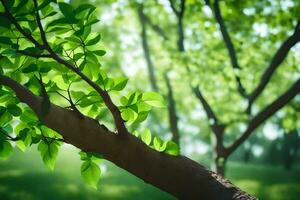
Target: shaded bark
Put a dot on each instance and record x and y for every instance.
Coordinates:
(177, 175)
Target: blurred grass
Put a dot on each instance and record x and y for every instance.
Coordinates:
(24, 177)
(266, 182)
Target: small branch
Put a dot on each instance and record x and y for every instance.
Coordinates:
(277, 59)
(172, 4)
(179, 14)
(142, 19)
(173, 119)
(39, 23)
(25, 53)
(229, 45)
(155, 27)
(267, 112)
(209, 112)
(19, 28)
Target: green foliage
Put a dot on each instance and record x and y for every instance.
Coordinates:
(90, 170)
(49, 151)
(5, 147)
(168, 147)
(14, 110)
(136, 106)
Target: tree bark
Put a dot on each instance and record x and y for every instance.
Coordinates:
(177, 175)
(173, 119)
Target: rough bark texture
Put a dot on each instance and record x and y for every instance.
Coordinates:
(177, 175)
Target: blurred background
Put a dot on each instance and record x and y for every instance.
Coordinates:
(141, 42)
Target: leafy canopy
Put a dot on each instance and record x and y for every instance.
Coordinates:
(40, 42)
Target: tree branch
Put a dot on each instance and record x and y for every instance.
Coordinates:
(173, 119)
(132, 155)
(174, 9)
(209, 111)
(25, 53)
(155, 27)
(229, 45)
(142, 19)
(39, 23)
(266, 113)
(179, 14)
(277, 59)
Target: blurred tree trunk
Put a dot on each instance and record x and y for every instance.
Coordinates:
(291, 144)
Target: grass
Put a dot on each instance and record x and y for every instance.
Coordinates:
(25, 177)
(266, 182)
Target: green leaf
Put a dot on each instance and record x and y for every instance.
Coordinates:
(5, 149)
(153, 99)
(83, 7)
(4, 22)
(67, 10)
(128, 114)
(142, 116)
(5, 40)
(146, 136)
(49, 153)
(135, 133)
(2, 111)
(30, 68)
(99, 52)
(90, 172)
(14, 110)
(159, 144)
(119, 83)
(21, 145)
(5, 118)
(45, 69)
(172, 148)
(93, 41)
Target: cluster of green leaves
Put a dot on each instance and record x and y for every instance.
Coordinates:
(90, 170)
(135, 106)
(69, 34)
(168, 147)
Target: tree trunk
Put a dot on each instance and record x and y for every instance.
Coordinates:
(177, 175)
(220, 163)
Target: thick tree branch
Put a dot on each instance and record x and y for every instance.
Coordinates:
(119, 122)
(142, 19)
(229, 45)
(277, 59)
(173, 119)
(170, 173)
(266, 113)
